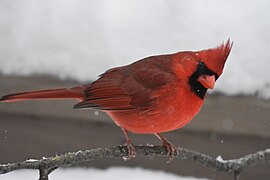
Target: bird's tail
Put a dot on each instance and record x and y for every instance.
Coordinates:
(69, 93)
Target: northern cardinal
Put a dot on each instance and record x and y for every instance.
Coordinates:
(150, 96)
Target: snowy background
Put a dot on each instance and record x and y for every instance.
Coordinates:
(79, 39)
(97, 174)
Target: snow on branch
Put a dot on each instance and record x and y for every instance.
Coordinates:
(47, 165)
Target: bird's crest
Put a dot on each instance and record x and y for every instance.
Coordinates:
(215, 58)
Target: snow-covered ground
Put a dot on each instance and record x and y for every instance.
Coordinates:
(81, 39)
(97, 174)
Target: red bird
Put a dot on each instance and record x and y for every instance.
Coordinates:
(153, 95)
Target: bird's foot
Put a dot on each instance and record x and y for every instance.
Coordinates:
(171, 149)
(131, 151)
(130, 147)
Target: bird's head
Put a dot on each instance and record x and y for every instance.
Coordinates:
(203, 68)
(211, 63)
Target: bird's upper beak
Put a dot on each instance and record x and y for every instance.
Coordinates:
(208, 81)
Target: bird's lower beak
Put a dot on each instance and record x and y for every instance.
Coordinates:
(208, 81)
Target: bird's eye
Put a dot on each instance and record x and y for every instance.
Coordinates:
(201, 65)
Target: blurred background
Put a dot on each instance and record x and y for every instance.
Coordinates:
(63, 43)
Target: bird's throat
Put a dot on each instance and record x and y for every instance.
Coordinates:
(195, 86)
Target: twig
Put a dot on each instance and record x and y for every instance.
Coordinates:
(43, 173)
(47, 165)
(236, 175)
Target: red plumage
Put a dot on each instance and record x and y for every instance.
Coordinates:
(68, 93)
(153, 95)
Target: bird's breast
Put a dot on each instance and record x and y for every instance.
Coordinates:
(172, 109)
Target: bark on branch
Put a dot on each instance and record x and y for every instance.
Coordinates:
(47, 165)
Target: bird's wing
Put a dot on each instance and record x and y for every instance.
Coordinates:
(126, 88)
(106, 93)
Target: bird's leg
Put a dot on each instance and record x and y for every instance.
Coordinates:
(130, 147)
(171, 149)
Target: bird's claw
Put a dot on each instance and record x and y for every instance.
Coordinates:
(130, 147)
(131, 152)
(171, 150)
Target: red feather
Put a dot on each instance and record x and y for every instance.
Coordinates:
(70, 93)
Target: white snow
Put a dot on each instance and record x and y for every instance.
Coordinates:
(220, 159)
(31, 160)
(97, 174)
(81, 39)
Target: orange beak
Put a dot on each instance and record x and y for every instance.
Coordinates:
(207, 81)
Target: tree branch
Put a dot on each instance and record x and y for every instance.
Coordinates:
(47, 165)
